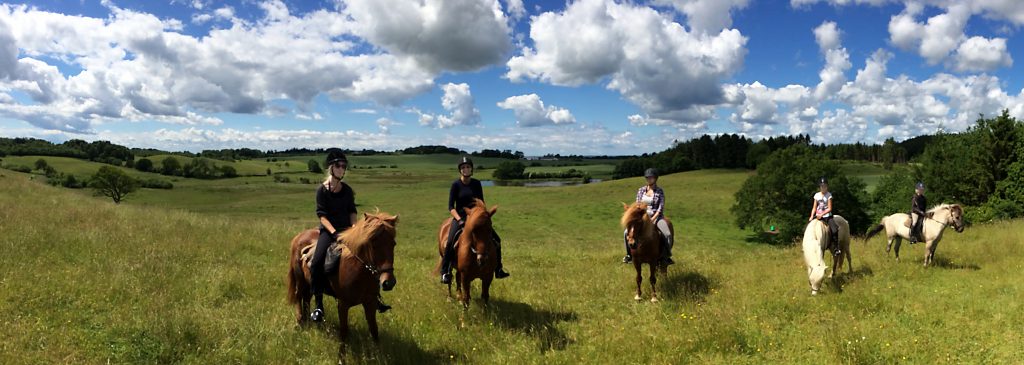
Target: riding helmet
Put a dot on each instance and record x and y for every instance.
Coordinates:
(651, 172)
(334, 155)
(464, 160)
(920, 185)
(822, 181)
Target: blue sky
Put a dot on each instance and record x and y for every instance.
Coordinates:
(583, 77)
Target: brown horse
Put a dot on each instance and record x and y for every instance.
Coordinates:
(475, 252)
(644, 244)
(367, 265)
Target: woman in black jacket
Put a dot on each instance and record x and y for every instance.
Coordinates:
(462, 194)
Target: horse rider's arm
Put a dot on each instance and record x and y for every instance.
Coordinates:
(327, 225)
(455, 214)
(814, 207)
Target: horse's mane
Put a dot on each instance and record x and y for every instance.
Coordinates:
(362, 234)
(475, 215)
(931, 212)
(633, 213)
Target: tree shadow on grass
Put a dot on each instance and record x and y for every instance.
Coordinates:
(945, 263)
(540, 324)
(687, 285)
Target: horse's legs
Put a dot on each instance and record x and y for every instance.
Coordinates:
(465, 282)
(485, 288)
(370, 310)
(654, 282)
(639, 278)
(899, 241)
(343, 329)
(849, 260)
(929, 252)
(889, 246)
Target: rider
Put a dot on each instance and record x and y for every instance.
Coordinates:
(461, 195)
(918, 204)
(822, 210)
(652, 195)
(336, 208)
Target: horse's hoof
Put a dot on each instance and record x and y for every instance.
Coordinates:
(654, 300)
(814, 292)
(638, 298)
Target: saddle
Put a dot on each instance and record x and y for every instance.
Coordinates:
(331, 260)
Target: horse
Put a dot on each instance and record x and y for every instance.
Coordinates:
(814, 242)
(644, 244)
(475, 252)
(936, 221)
(366, 266)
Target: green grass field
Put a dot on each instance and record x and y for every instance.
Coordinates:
(196, 275)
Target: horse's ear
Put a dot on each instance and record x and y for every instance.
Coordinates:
(367, 216)
(493, 210)
(625, 206)
(391, 220)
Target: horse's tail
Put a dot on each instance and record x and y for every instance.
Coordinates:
(874, 230)
(293, 286)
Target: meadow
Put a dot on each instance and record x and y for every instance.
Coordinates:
(196, 275)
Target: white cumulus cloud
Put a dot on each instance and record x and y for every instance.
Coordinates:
(530, 111)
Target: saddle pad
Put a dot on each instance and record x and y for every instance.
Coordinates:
(331, 261)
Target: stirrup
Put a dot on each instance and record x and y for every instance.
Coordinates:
(381, 307)
(500, 273)
(627, 259)
(446, 278)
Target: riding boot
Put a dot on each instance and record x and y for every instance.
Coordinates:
(499, 270)
(446, 265)
(666, 254)
(629, 257)
(318, 313)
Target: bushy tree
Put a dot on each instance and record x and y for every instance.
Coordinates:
(781, 191)
(314, 167)
(509, 170)
(41, 164)
(113, 183)
(228, 171)
(144, 165)
(170, 166)
(953, 171)
(893, 194)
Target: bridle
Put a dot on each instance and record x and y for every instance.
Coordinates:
(373, 270)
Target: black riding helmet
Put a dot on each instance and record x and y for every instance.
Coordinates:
(651, 172)
(822, 181)
(465, 161)
(334, 155)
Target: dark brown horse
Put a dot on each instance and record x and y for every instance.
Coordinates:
(644, 244)
(475, 252)
(367, 265)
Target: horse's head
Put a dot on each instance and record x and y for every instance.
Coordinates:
(378, 249)
(633, 219)
(479, 232)
(949, 214)
(815, 277)
(956, 214)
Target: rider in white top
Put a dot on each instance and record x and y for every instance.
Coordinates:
(822, 210)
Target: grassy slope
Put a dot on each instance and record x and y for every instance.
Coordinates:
(136, 283)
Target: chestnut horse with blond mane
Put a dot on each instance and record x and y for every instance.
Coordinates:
(475, 252)
(367, 265)
(644, 244)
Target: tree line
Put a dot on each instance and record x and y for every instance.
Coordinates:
(981, 168)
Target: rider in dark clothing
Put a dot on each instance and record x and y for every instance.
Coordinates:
(336, 208)
(462, 194)
(917, 212)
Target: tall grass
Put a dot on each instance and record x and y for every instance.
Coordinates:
(85, 281)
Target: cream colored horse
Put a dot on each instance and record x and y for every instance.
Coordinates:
(936, 220)
(815, 240)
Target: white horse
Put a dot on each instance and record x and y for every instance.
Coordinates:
(815, 240)
(935, 221)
